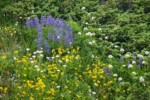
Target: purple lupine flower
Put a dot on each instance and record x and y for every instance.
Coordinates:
(29, 22)
(36, 22)
(59, 23)
(58, 35)
(50, 37)
(134, 54)
(46, 46)
(39, 28)
(40, 38)
(42, 20)
(68, 36)
(50, 21)
(121, 59)
(105, 70)
(140, 63)
(128, 63)
(109, 72)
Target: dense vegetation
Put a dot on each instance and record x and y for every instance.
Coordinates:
(75, 49)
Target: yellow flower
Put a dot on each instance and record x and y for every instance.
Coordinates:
(24, 92)
(104, 97)
(5, 90)
(1, 88)
(3, 57)
(24, 75)
(15, 52)
(31, 98)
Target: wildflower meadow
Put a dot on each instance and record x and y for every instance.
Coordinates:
(75, 50)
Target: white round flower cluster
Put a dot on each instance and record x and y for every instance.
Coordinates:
(90, 34)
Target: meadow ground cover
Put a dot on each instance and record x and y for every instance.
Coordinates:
(90, 50)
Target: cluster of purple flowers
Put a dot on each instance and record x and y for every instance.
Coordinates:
(61, 31)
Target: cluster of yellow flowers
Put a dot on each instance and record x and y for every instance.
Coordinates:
(62, 76)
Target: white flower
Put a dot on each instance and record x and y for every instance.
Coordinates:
(92, 56)
(31, 62)
(36, 66)
(100, 39)
(95, 84)
(33, 56)
(106, 37)
(37, 69)
(89, 14)
(89, 34)
(58, 70)
(70, 42)
(48, 58)
(133, 62)
(32, 11)
(64, 66)
(86, 23)
(141, 79)
(99, 29)
(147, 52)
(42, 71)
(93, 18)
(83, 8)
(15, 58)
(115, 75)
(90, 43)
(130, 66)
(52, 57)
(39, 51)
(34, 53)
(58, 37)
(123, 65)
(60, 61)
(143, 62)
(27, 49)
(110, 66)
(140, 56)
(127, 55)
(79, 33)
(119, 79)
(57, 56)
(90, 90)
(121, 50)
(93, 93)
(116, 46)
(110, 56)
(16, 23)
(93, 41)
(41, 55)
(58, 87)
(85, 28)
(134, 73)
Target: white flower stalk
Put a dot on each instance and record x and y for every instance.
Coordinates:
(133, 62)
(130, 66)
(83, 8)
(27, 49)
(119, 79)
(122, 50)
(133, 73)
(110, 56)
(115, 75)
(110, 66)
(141, 79)
(147, 52)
